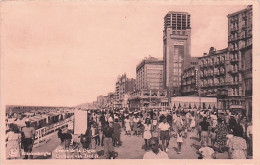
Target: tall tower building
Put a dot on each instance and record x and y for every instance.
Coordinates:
(239, 76)
(176, 49)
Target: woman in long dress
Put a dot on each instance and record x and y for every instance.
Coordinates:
(192, 123)
(13, 147)
(237, 145)
(147, 132)
(127, 126)
(135, 120)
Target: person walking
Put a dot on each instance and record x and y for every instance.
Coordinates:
(212, 136)
(155, 121)
(237, 145)
(108, 142)
(147, 132)
(127, 126)
(135, 122)
(94, 136)
(131, 118)
(204, 130)
(221, 132)
(28, 135)
(192, 123)
(179, 141)
(60, 135)
(117, 132)
(198, 121)
(178, 121)
(164, 133)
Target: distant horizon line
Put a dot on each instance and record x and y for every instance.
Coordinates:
(16, 105)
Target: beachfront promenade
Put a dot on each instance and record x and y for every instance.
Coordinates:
(132, 148)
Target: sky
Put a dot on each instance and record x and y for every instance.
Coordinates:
(64, 53)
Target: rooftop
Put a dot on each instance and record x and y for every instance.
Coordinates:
(249, 7)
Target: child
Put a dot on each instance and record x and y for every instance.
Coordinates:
(212, 136)
(179, 141)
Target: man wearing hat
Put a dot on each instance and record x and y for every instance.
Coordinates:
(28, 134)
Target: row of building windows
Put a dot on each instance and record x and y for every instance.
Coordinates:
(212, 61)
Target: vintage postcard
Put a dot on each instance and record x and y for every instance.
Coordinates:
(90, 81)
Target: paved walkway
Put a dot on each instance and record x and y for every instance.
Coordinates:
(132, 148)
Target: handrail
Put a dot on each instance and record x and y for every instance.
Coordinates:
(41, 134)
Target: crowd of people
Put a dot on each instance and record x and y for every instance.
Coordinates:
(228, 133)
(216, 134)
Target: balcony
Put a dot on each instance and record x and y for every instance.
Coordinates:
(233, 71)
(240, 69)
(217, 73)
(232, 39)
(222, 84)
(202, 76)
(210, 84)
(242, 37)
(234, 83)
(205, 65)
(222, 93)
(217, 63)
(234, 60)
(244, 16)
(221, 62)
(210, 74)
(233, 49)
(233, 29)
(243, 26)
(234, 106)
(222, 72)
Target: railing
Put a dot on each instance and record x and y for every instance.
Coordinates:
(41, 134)
(233, 71)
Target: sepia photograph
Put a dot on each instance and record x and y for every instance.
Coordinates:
(127, 80)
